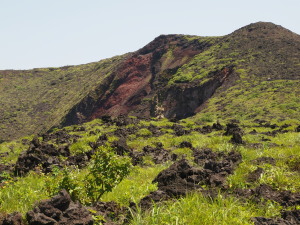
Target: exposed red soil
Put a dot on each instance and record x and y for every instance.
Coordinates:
(135, 78)
(134, 86)
(134, 81)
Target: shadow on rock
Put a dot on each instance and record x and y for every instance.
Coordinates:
(41, 155)
(59, 210)
(287, 218)
(181, 178)
(284, 198)
(14, 218)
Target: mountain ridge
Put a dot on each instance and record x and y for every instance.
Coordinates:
(172, 76)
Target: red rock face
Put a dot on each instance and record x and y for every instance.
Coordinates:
(133, 88)
(134, 78)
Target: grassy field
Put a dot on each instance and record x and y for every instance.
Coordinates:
(20, 193)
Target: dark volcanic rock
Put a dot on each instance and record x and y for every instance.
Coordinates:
(101, 141)
(217, 126)
(122, 121)
(292, 216)
(124, 132)
(205, 156)
(156, 131)
(177, 179)
(236, 132)
(60, 137)
(59, 210)
(284, 198)
(79, 160)
(262, 160)
(44, 156)
(179, 130)
(232, 128)
(39, 154)
(14, 218)
(185, 144)
(287, 218)
(106, 119)
(111, 212)
(206, 129)
(181, 178)
(158, 153)
(255, 175)
(269, 221)
(121, 147)
(153, 197)
(237, 138)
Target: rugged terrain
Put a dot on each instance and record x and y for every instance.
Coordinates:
(174, 76)
(186, 130)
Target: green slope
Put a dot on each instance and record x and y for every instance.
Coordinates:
(252, 73)
(265, 82)
(33, 101)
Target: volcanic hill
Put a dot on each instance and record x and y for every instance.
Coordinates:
(252, 73)
(186, 130)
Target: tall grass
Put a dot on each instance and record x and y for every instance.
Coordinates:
(197, 209)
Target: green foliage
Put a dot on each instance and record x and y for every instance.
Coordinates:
(257, 89)
(70, 183)
(107, 170)
(136, 186)
(109, 177)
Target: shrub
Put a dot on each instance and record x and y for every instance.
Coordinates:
(106, 171)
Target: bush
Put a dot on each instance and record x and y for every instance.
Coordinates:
(106, 171)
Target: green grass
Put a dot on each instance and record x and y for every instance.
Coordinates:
(33, 101)
(136, 186)
(197, 209)
(272, 100)
(202, 64)
(280, 176)
(21, 195)
(13, 150)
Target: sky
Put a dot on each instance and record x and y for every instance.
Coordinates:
(53, 33)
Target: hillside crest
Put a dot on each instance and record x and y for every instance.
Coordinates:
(174, 76)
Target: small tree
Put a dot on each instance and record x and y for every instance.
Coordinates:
(107, 170)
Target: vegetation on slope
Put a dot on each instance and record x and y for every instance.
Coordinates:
(240, 153)
(269, 141)
(256, 67)
(33, 101)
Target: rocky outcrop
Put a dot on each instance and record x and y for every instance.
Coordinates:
(134, 86)
(59, 210)
(183, 100)
(181, 178)
(14, 218)
(287, 218)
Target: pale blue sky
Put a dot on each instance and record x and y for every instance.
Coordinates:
(49, 33)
